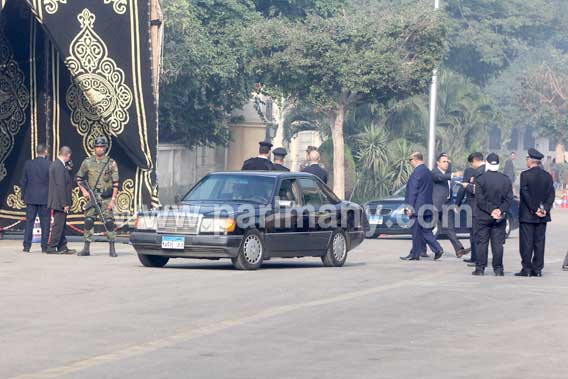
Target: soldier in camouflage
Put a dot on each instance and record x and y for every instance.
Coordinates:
(103, 168)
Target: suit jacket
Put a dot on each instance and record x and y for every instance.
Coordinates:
(35, 181)
(509, 170)
(468, 193)
(258, 164)
(493, 191)
(441, 191)
(60, 186)
(316, 170)
(279, 167)
(536, 188)
(419, 189)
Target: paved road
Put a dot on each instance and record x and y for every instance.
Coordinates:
(377, 317)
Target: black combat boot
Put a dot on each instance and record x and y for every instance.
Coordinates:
(86, 250)
(112, 251)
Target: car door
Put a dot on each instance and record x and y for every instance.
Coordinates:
(283, 237)
(315, 210)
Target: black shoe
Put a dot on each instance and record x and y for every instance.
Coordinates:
(410, 258)
(44, 251)
(472, 264)
(469, 261)
(51, 250)
(86, 250)
(26, 249)
(438, 255)
(460, 253)
(66, 250)
(499, 272)
(112, 251)
(523, 273)
(478, 272)
(537, 273)
(565, 268)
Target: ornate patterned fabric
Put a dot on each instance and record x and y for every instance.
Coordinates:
(71, 71)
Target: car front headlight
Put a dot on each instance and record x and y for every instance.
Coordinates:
(217, 225)
(146, 222)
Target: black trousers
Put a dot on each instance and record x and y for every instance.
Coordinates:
(532, 238)
(42, 212)
(57, 238)
(473, 240)
(422, 237)
(565, 264)
(447, 228)
(487, 231)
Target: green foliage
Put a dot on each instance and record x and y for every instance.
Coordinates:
(298, 9)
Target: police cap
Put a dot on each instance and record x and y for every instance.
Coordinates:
(280, 151)
(535, 154)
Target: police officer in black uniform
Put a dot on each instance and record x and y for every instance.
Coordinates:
(262, 161)
(494, 196)
(537, 199)
(279, 154)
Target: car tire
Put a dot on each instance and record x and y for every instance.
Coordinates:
(336, 253)
(251, 252)
(153, 260)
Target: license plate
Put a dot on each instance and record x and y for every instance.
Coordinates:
(173, 242)
(376, 220)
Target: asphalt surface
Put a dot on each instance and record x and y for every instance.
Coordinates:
(377, 317)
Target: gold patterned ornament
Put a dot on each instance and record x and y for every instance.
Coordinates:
(125, 199)
(52, 6)
(14, 100)
(98, 98)
(119, 6)
(78, 201)
(14, 200)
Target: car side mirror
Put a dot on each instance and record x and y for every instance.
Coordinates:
(285, 203)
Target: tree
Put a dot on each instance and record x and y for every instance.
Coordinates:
(205, 71)
(342, 61)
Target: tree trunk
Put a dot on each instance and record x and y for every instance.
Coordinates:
(560, 153)
(338, 152)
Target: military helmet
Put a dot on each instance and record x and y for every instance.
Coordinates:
(101, 142)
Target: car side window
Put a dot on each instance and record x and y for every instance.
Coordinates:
(289, 191)
(312, 193)
(328, 194)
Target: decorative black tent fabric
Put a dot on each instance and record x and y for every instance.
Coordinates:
(71, 71)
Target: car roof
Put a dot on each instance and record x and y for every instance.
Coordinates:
(272, 174)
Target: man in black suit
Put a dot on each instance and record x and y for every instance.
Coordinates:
(59, 201)
(314, 166)
(262, 161)
(467, 193)
(537, 199)
(419, 207)
(493, 199)
(34, 183)
(442, 199)
(279, 155)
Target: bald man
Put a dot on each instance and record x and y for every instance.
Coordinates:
(314, 166)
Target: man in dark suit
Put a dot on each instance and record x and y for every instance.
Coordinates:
(279, 155)
(262, 161)
(494, 196)
(509, 169)
(537, 199)
(442, 199)
(419, 207)
(34, 183)
(565, 264)
(59, 201)
(314, 166)
(467, 193)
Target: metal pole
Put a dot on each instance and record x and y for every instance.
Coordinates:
(433, 101)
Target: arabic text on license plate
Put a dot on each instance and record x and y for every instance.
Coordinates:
(377, 220)
(173, 242)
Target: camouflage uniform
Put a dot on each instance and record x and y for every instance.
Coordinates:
(89, 171)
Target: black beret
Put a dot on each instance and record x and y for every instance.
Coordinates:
(280, 151)
(535, 154)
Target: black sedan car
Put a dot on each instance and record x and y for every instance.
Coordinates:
(251, 216)
(386, 216)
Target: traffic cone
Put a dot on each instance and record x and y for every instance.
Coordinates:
(565, 200)
(36, 238)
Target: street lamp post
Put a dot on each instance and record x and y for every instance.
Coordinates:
(433, 101)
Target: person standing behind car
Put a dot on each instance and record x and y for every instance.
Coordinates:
(315, 168)
(537, 199)
(494, 196)
(35, 185)
(59, 201)
(442, 199)
(467, 192)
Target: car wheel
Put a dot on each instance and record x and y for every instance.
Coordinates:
(336, 253)
(251, 252)
(508, 228)
(153, 260)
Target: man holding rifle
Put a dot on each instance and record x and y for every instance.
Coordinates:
(98, 181)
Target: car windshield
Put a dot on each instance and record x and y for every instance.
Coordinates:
(231, 188)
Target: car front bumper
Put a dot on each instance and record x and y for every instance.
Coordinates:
(196, 246)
